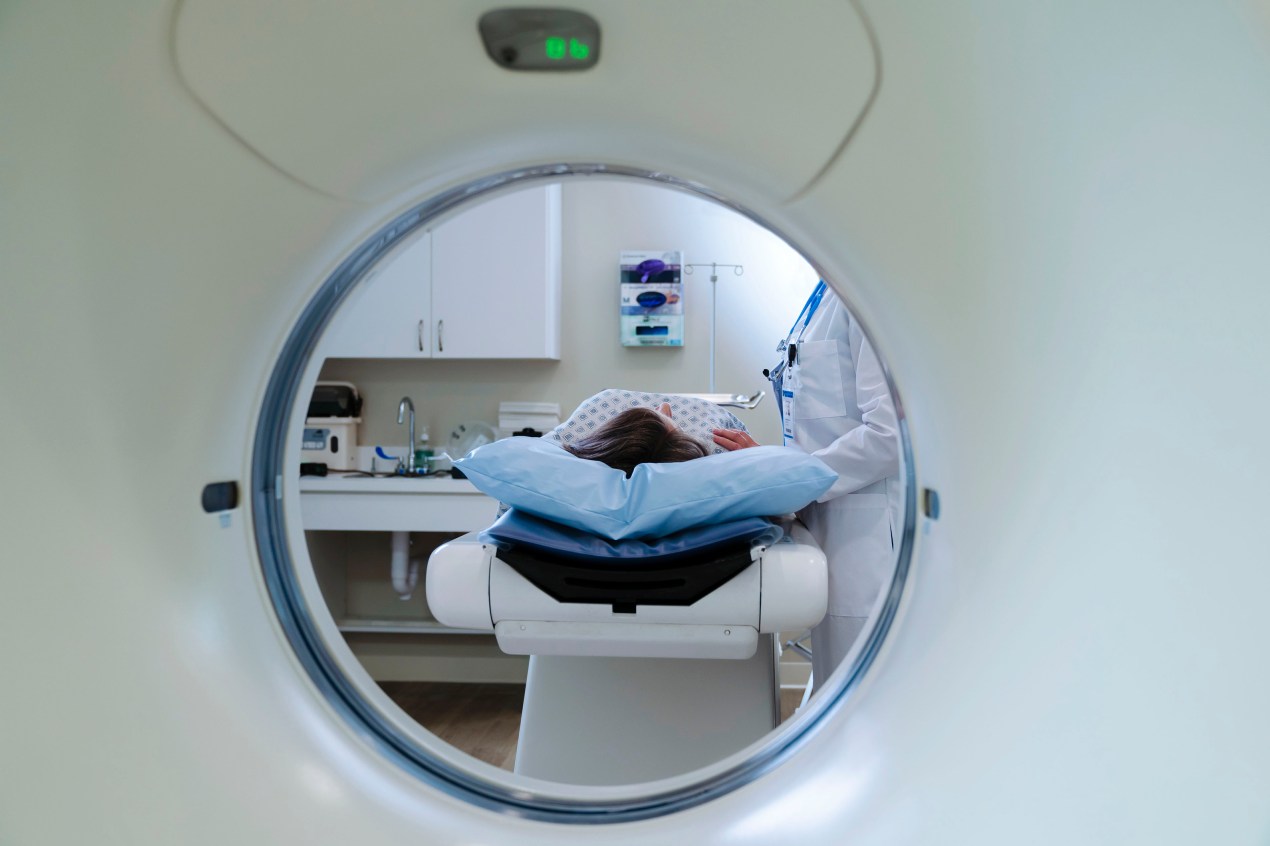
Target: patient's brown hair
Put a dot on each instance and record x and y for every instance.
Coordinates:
(637, 436)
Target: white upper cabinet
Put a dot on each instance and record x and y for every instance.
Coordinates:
(483, 284)
(388, 315)
(496, 279)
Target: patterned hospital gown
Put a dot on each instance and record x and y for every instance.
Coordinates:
(696, 417)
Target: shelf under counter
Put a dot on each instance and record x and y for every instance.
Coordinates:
(394, 504)
(367, 625)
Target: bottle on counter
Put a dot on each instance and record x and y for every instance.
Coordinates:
(423, 452)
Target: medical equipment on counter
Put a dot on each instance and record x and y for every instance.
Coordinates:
(330, 427)
(335, 399)
(524, 418)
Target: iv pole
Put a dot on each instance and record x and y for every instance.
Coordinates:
(735, 400)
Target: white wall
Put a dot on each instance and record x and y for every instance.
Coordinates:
(602, 217)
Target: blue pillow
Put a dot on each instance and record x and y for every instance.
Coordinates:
(539, 477)
(516, 528)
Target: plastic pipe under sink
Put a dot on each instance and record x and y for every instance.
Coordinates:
(405, 573)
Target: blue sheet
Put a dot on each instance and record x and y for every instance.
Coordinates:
(517, 527)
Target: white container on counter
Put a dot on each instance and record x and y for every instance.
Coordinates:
(517, 416)
(331, 441)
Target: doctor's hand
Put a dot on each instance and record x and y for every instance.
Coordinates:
(733, 439)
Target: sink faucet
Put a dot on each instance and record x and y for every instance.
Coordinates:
(409, 460)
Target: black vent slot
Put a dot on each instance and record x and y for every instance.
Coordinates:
(669, 580)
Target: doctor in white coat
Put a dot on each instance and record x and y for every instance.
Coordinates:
(835, 404)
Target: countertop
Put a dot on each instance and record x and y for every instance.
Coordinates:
(386, 484)
(394, 504)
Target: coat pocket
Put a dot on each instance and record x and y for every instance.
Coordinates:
(820, 389)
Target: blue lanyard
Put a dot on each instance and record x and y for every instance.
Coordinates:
(777, 373)
(801, 322)
(809, 309)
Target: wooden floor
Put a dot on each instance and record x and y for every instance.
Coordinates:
(483, 720)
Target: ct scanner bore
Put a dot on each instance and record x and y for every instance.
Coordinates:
(1052, 215)
(322, 651)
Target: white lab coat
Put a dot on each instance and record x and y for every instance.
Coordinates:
(843, 414)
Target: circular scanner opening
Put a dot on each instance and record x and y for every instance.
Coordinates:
(320, 578)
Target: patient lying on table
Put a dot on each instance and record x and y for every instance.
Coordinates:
(656, 492)
(624, 429)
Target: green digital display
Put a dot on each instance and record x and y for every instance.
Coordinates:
(558, 47)
(541, 39)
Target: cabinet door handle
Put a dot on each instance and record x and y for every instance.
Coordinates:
(420, 336)
(440, 343)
